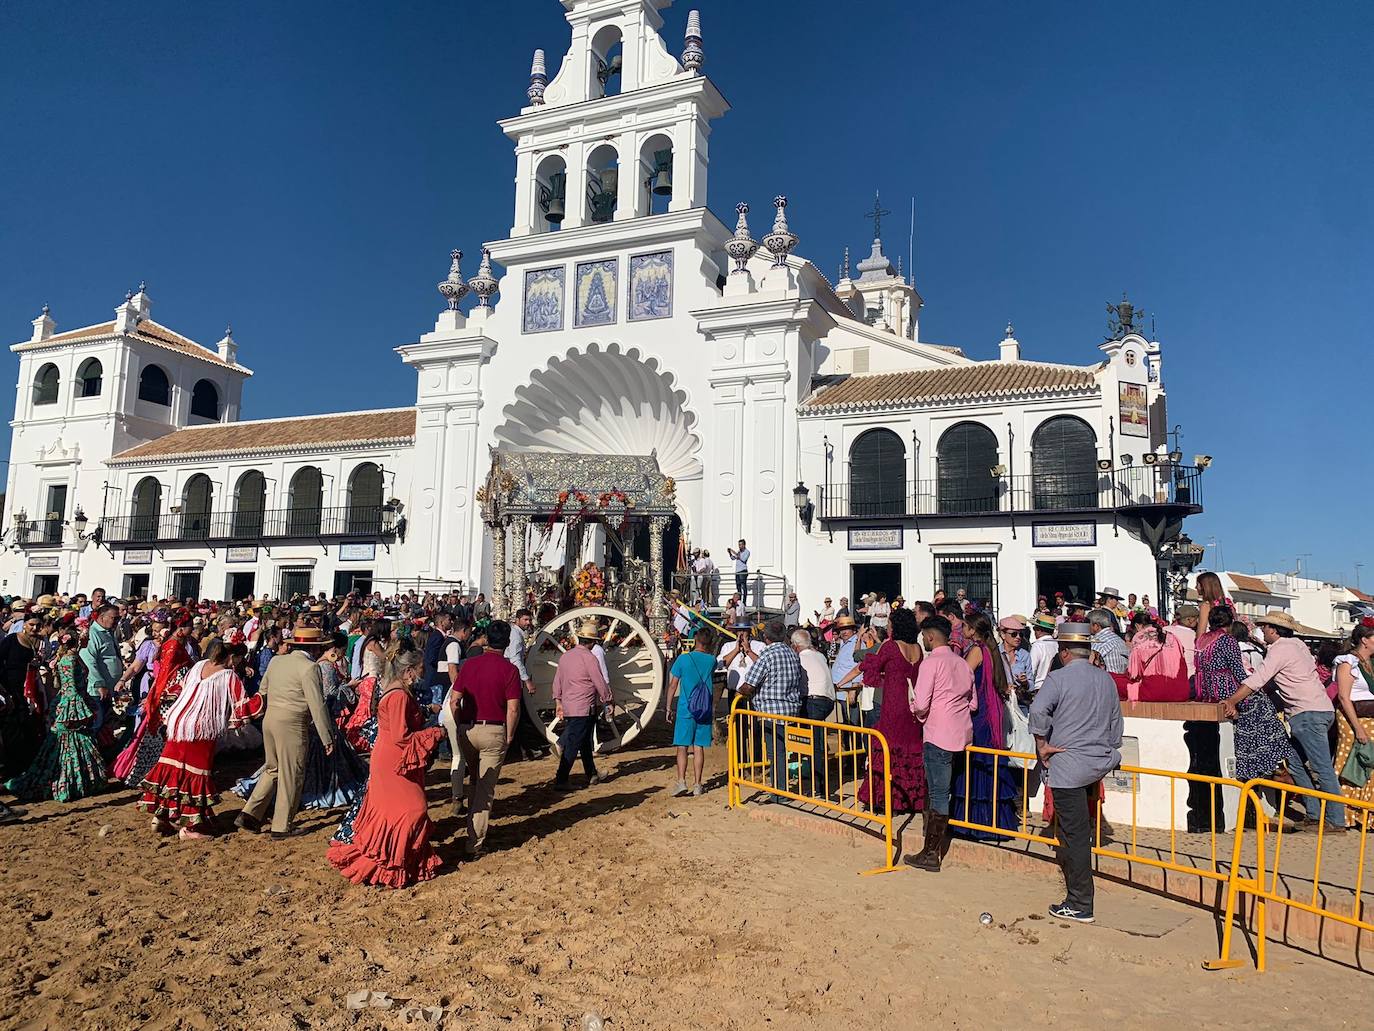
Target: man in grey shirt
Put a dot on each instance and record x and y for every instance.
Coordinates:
(1076, 721)
(529, 743)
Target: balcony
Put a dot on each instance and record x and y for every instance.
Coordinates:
(251, 526)
(1142, 490)
(38, 533)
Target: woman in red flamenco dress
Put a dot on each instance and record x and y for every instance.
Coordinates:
(390, 845)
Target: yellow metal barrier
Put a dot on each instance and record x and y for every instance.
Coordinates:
(755, 766)
(1263, 886)
(1130, 853)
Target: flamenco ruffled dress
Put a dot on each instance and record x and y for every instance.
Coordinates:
(68, 765)
(390, 845)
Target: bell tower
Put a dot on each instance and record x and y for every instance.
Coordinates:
(621, 130)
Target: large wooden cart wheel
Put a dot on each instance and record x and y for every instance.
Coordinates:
(633, 661)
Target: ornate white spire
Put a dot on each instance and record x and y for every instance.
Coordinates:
(453, 288)
(693, 55)
(781, 241)
(227, 347)
(539, 78)
(741, 247)
(484, 284)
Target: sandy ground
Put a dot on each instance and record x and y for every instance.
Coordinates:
(653, 912)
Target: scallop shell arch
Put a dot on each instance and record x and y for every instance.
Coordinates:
(605, 401)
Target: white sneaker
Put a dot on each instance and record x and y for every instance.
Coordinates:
(698, 791)
(679, 789)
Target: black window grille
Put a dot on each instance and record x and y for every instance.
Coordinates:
(1064, 464)
(966, 455)
(877, 474)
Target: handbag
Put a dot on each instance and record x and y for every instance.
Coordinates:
(1019, 736)
(1358, 764)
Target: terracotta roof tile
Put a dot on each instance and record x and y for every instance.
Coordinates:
(358, 429)
(1249, 583)
(1361, 595)
(982, 379)
(148, 330)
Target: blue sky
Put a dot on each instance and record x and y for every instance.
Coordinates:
(301, 170)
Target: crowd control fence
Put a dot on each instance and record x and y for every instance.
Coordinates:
(816, 762)
(1264, 883)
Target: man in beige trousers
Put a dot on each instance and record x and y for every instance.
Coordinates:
(488, 688)
(295, 699)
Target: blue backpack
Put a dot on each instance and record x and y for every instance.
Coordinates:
(701, 703)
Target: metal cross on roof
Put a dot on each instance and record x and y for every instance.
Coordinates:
(877, 215)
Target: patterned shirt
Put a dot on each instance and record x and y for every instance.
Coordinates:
(1115, 655)
(780, 681)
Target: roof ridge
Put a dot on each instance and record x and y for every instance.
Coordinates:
(294, 418)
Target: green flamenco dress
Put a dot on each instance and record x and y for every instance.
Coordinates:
(68, 765)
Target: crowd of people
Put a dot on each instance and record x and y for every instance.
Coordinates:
(936, 677)
(348, 701)
(351, 700)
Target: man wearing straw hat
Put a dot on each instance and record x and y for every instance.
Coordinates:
(1043, 648)
(579, 689)
(1291, 668)
(1076, 721)
(295, 699)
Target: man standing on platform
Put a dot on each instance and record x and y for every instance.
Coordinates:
(741, 557)
(295, 699)
(1076, 721)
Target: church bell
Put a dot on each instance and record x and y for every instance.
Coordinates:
(558, 187)
(662, 182)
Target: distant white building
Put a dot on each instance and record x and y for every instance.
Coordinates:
(810, 418)
(1318, 604)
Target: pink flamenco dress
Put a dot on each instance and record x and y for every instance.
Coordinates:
(390, 845)
(888, 670)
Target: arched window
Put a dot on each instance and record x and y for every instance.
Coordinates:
(1064, 464)
(88, 378)
(305, 508)
(205, 400)
(608, 64)
(153, 386)
(45, 385)
(656, 175)
(250, 503)
(550, 194)
(966, 454)
(147, 508)
(603, 183)
(195, 508)
(365, 500)
(877, 475)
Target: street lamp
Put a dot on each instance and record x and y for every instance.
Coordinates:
(801, 500)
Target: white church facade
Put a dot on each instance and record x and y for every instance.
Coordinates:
(619, 317)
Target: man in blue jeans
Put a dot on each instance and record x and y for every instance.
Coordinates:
(774, 685)
(1291, 668)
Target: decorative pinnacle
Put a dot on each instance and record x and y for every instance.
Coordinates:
(899, 268)
(844, 269)
(45, 309)
(781, 240)
(142, 286)
(741, 247)
(228, 330)
(539, 78)
(128, 295)
(1010, 332)
(693, 54)
(877, 215)
(453, 288)
(484, 284)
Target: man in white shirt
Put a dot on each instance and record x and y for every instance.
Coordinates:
(1043, 649)
(706, 578)
(741, 557)
(818, 701)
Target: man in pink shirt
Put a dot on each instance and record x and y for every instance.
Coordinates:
(578, 686)
(944, 702)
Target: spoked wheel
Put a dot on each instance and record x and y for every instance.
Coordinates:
(633, 662)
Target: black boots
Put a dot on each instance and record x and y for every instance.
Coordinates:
(936, 843)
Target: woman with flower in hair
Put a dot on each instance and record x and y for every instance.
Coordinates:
(174, 658)
(68, 765)
(179, 790)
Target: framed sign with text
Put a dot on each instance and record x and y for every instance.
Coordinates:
(1064, 535)
(875, 538)
(360, 552)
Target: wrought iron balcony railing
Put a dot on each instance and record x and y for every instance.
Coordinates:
(1129, 489)
(249, 525)
(38, 533)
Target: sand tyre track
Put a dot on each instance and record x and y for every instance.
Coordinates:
(633, 660)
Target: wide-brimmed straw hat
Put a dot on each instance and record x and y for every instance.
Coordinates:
(1074, 633)
(1044, 622)
(590, 629)
(845, 622)
(1277, 617)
